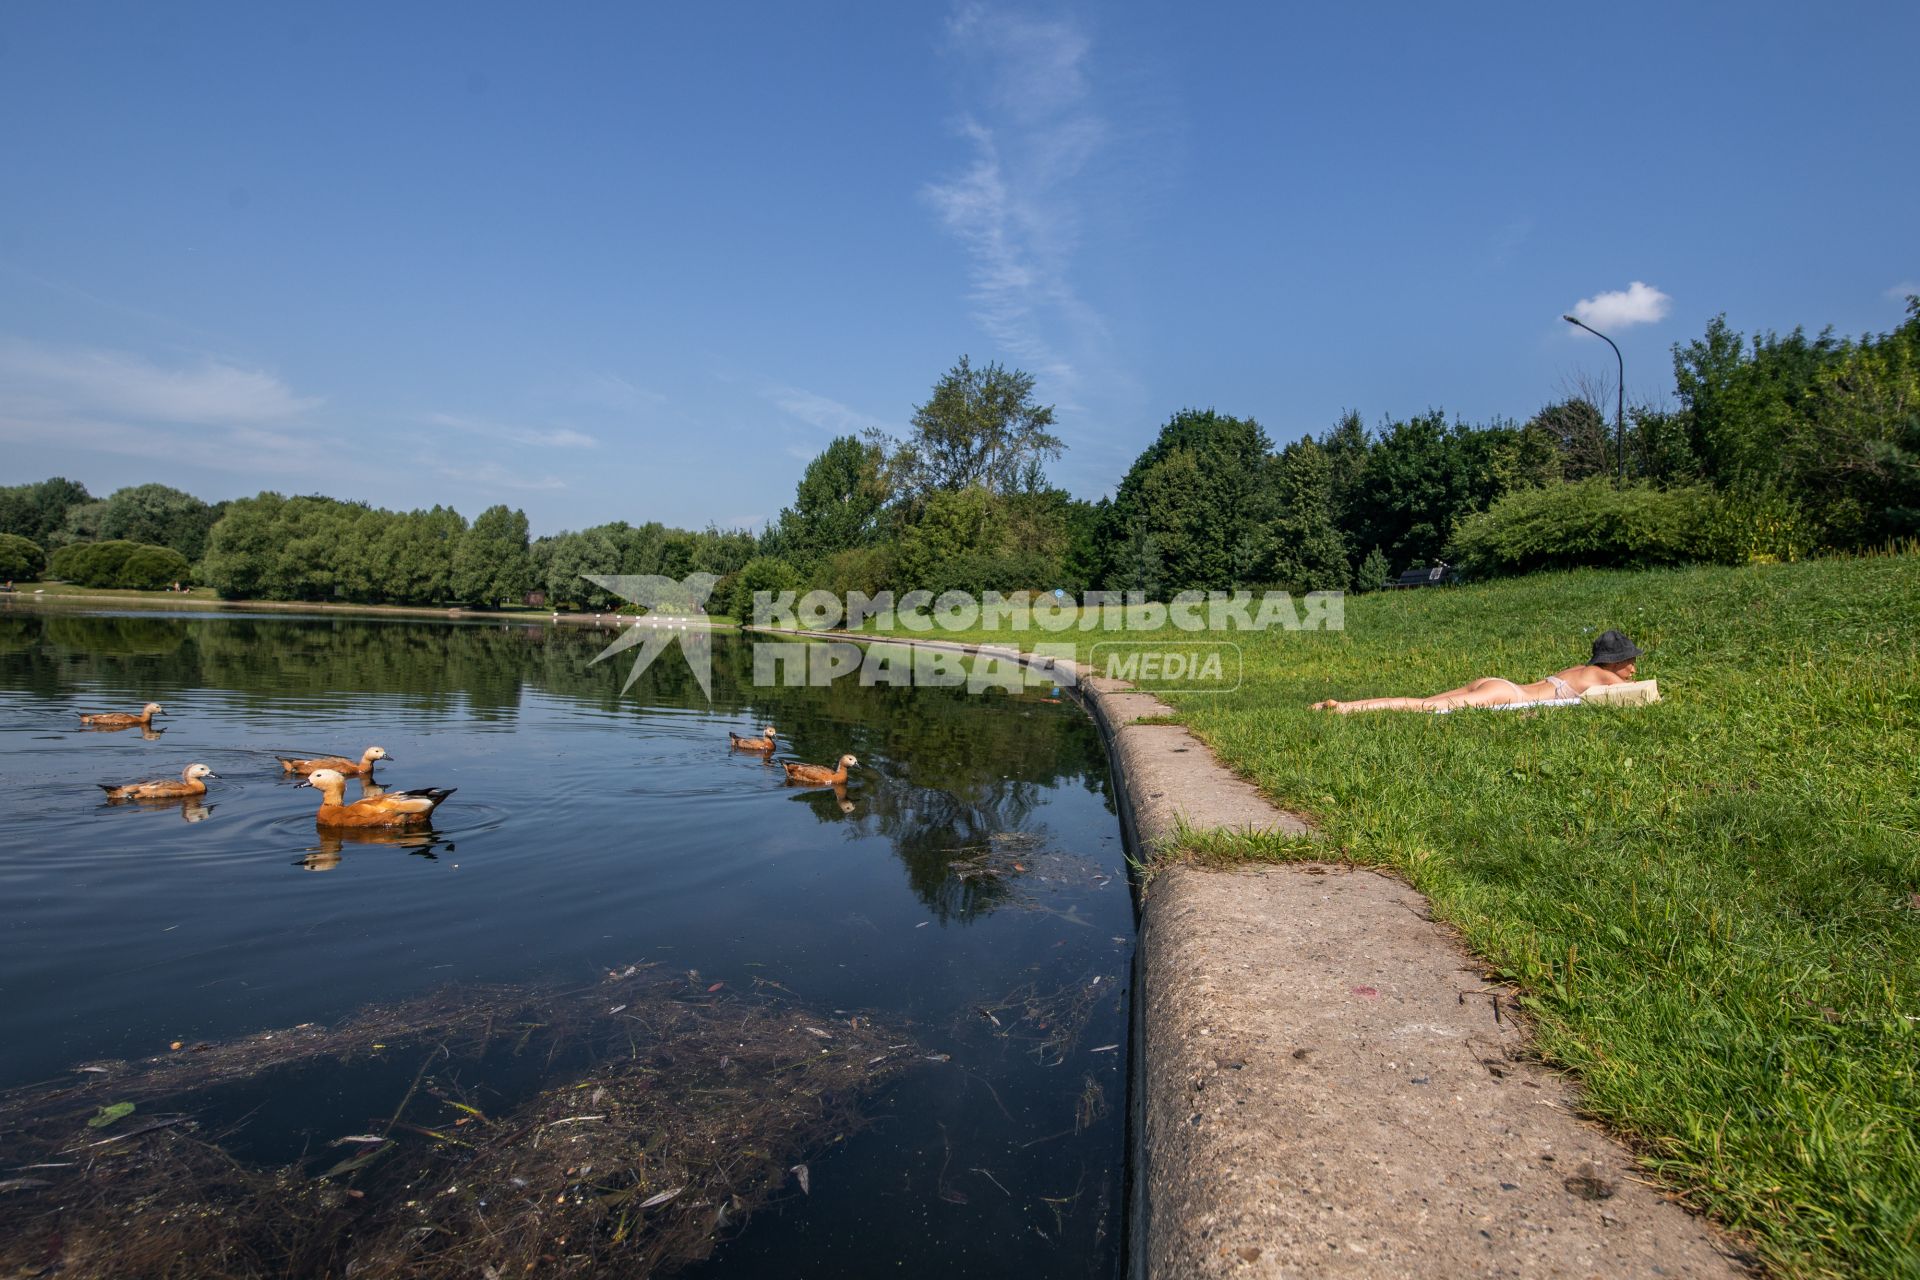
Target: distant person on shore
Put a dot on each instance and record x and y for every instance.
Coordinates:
(1612, 663)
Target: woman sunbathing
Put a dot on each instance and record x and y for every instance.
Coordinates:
(1613, 663)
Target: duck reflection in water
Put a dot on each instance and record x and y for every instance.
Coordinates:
(325, 855)
(829, 804)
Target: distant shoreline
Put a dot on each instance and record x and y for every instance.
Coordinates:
(201, 604)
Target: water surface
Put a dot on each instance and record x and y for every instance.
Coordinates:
(591, 830)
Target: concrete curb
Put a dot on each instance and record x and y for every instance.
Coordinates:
(1323, 1083)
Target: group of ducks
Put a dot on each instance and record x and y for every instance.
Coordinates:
(811, 775)
(326, 774)
(380, 809)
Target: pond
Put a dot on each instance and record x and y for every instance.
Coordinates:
(284, 1002)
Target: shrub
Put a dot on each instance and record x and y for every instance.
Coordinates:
(21, 559)
(154, 568)
(1760, 526)
(1593, 524)
(762, 573)
(119, 564)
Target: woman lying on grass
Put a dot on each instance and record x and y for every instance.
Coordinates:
(1612, 663)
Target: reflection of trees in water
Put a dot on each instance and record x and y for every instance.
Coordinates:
(115, 637)
(942, 769)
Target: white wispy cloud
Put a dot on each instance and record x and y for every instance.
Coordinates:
(818, 411)
(1904, 290)
(206, 412)
(533, 437)
(1638, 303)
(611, 391)
(1032, 128)
(118, 384)
(495, 475)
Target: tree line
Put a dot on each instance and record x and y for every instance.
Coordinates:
(1779, 446)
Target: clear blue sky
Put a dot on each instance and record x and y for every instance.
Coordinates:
(640, 261)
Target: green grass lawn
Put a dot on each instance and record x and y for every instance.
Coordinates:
(69, 589)
(1712, 904)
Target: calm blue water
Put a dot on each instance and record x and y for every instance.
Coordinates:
(590, 830)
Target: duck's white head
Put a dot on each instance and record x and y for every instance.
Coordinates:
(325, 779)
(767, 732)
(376, 753)
(152, 709)
(195, 772)
(847, 762)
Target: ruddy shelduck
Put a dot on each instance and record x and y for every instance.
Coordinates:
(191, 784)
(394, 809)
(122, 719)
(361, 768)
(817, 775)
(765, 742)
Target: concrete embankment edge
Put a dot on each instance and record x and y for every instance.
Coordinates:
(1323, 1081)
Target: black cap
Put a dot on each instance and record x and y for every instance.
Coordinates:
(1612, 646)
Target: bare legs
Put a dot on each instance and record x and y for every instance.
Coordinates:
(1487, 691)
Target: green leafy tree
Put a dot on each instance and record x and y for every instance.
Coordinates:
(569, 557)
(82, 523)
(492, 564)
(1423, 477)
(152, 568)
(1308, 553)
(762, 573)
(1579, 435)
(980, 427)
(1196, 510)
(37, 512)
(21, 559)
(1347, 445)
(954, 526)
(159, 515)
(1373, 573)
(838, 502)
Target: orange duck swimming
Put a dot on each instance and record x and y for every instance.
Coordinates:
(361, 768)
(394, 809)
(122, 719)
(190, 784)
(765, 742)
(816, 775)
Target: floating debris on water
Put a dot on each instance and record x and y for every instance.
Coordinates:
(633, 1150)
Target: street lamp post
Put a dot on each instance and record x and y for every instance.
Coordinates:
(1620, 403)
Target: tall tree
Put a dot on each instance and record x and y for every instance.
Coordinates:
(1308, 553)
(1580, 435)
(837, 503)
(492, 564)
(37, 512)
(980, 427)
(159, 515)
(1196, 509)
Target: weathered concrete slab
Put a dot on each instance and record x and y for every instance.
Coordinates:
(1329, 1091)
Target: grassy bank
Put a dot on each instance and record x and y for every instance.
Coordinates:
(64, 590)
(1709, 903)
